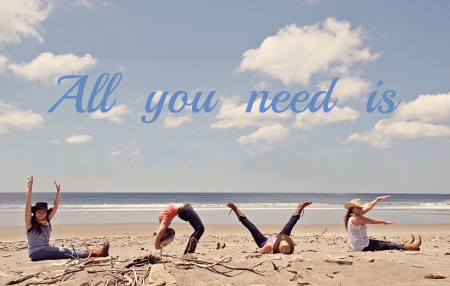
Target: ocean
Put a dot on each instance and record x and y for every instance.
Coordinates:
(263, 208)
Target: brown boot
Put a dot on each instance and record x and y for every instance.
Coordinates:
(98, 253)
(300, 207)
(411, 239)
(415, 246)
(236, 210)
(192, 245)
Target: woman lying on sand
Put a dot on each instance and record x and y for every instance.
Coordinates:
(280, 243)
(37, 221)
(355, 222)
(185, 212)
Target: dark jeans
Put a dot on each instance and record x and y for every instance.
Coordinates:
(188, 214)
(377, 245)
(52, 252)
(259, 237)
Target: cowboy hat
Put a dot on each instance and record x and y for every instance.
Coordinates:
(170, 236)
(39, 206)
(283, 244)
(354, 203)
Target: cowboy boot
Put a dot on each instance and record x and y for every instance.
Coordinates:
(413, 246)
(192, 245)
(236, 210)
(98, 253)
(411, 239)
(300, 207)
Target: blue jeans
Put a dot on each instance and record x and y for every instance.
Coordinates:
(188, 214)
(52, 252)
(259, 237)
(377, 245)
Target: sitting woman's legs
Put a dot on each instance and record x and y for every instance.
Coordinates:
(52, 252)
(377, 245)
(257, 235)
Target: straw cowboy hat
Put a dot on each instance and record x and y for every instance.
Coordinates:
(283, 244)
(170, 236)
(354, 203)
(39, 206)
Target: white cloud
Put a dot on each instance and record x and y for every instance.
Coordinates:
(3, 63)
(347, 88)
(251, 152)
(12, 117)
(233, 115)
(78, 139)
(260, 85)
(308, 121)
(270, 134)
(410, 120)
(311, 2)
(56, 141)
(136, 152)
(85, 3)
(109, 4)
(174, 121)
(115, 153)
(385, 131)
(21, 18)
(194, 146)
(425, 108)
(47, 68)
(294, 54)
(115, 114)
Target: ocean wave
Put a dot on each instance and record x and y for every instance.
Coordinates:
(217, 207)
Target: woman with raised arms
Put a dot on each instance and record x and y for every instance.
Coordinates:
(39, 229)
(355, 222)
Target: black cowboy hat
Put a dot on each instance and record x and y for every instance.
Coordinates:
(39, 206)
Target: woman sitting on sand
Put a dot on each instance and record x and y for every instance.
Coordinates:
(37, 221)
(282, 242)
(355, 222)
(185, 212)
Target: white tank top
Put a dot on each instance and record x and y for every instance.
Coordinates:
(357, 236)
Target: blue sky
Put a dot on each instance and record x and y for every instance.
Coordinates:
(232, 48)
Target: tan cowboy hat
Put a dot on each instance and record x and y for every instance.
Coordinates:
(354, 203)
(283, 244)
(170, 236)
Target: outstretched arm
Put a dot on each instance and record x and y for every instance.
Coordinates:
(359, 219)
(162, 229)
(52, 213)
(373, 203)
(28, 203)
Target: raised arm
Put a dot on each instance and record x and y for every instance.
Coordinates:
(370, 205)
(28, 203)
(52, 213)
(162, 229)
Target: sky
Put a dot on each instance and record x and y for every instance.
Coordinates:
(389, 51)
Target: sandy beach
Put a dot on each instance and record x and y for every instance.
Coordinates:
(306, 266)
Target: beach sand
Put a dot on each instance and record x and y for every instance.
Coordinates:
(306, 265)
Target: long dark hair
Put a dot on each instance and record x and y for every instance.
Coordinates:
(35, 225)
(347, 217)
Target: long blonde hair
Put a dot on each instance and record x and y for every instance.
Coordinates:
(347, 217)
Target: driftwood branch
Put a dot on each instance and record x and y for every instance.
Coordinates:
(209, 265)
